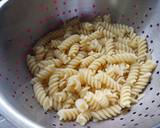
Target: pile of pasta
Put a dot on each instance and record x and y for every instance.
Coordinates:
(90, 70)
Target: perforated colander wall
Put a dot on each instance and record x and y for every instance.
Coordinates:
(22, 23)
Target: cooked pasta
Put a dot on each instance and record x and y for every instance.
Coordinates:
(75, 62)
(98, 63)
(86, 77)
(73, 84)
(67, 43)
(106, 113)
(122, 58)
(92, 101)
(95, 46)
(124, 48)
(95, 35)
(40, 53)
(142, 49)
(145, 74)
(83, 91)
(73, 50)
(83, 118)
(45, 63)
(109, 46)
(68, 114)
(140, 84)
(81, 105)
(42, 97)
(49, 54)
(102, 98)
(125, 95)
(54, 83)
(32, 65)
(133, 73)
(108, 81)
(55, 43)
(87, 26)
(90, 70)
(147, 67)
(60, 96)
(88, 60)
(68, 72)
(46, 72)
(60, 55)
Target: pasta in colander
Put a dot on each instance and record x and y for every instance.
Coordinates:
(90, 70)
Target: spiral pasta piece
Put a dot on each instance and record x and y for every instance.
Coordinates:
(83, 91)
(145, 74)
(95, 46)
(49, 55)
(87, 26)
(118, 69)
(106, 113)
(73, 84)
(102, 98)
(98, 63)
(109, 27)
(95, 35)
(117, 29)
(125, 96)
(73, 51)
(133, 43)
(54, 83)
(84, 31)
(112, 97)
(67, 43)
(55, 43)
(60, 96)
(108, 81)
(68, 72)
(75, 62)
(40, 53)
(45, 63)
(69, 103)
(92, 101)
(32, 65)
(46, 72)
(147, 67)
(142, 49)
(81, 105)
(140, 84)
(86, 76)
(42, 97)
(124, 48)
(88, 60)
(122, 58)
(105, 33)
(83, 118)
(133, 73)
(109, 47)
(57, 105)
(68, 32)
(68, 114)
(60, 55)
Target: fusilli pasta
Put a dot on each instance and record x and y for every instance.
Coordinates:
(90, 70)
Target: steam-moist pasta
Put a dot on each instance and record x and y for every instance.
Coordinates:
(90, 70)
